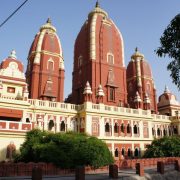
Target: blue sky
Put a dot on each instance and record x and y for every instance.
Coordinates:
(141, 23)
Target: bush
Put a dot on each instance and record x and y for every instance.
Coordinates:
(66, 150)
(164, 147)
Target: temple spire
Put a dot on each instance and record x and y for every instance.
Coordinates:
(97, 4)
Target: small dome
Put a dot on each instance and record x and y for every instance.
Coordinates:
(100, 91)
(137, 98)
(167, 98)
(87, 89)
(12, 67)
(146, 99)
(12, 62)
(144, 66)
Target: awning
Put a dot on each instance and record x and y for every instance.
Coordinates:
(12, 113)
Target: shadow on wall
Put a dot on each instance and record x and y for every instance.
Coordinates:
(3, 154)
(7, 154)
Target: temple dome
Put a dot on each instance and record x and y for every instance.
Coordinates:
(46, 41)
(144, 66)
(99, 52)
(99, 31)
(167, 98)
(11, 67)
(140, 78)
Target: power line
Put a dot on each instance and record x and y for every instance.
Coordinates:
(12, 14)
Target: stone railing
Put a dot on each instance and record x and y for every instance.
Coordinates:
(175, 118)
(15, 126)
(160, 117)
(12, 100)
(123, 111)
(7, 97)
(41, 104)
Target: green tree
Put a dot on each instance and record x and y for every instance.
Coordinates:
(66, 150)
(164, 147)
(170, 45)
(33, 139)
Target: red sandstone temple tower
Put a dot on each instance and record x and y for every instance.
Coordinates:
(99, 60)
(45, 70)
(140, 83)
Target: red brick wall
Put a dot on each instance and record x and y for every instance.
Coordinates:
(25, 169)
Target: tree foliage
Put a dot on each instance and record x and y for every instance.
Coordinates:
(66, 150)
(164, 147)
(170, 45)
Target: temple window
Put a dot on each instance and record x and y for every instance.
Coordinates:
(10, 89)
(136, 152)
(128, 128)
(122, 128)
(95, 127)
(50, 66)
(50, 125)
(62, 126)
(148, 87)
(107, 127)
(110, 58)
(116, 128)
(111, 94)
(129, 152)
(80, 61)
(27, 120)
(135, 129)
(158, 132)
(116, 152)
(123, 151)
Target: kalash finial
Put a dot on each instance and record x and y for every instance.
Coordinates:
(136, 49)
(97, 4)
(48, 20)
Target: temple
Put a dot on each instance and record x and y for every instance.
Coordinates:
(114, 103)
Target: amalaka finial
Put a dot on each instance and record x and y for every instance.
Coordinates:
(13, 54)
(48, 20)
(97, 3)
(166, 90)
